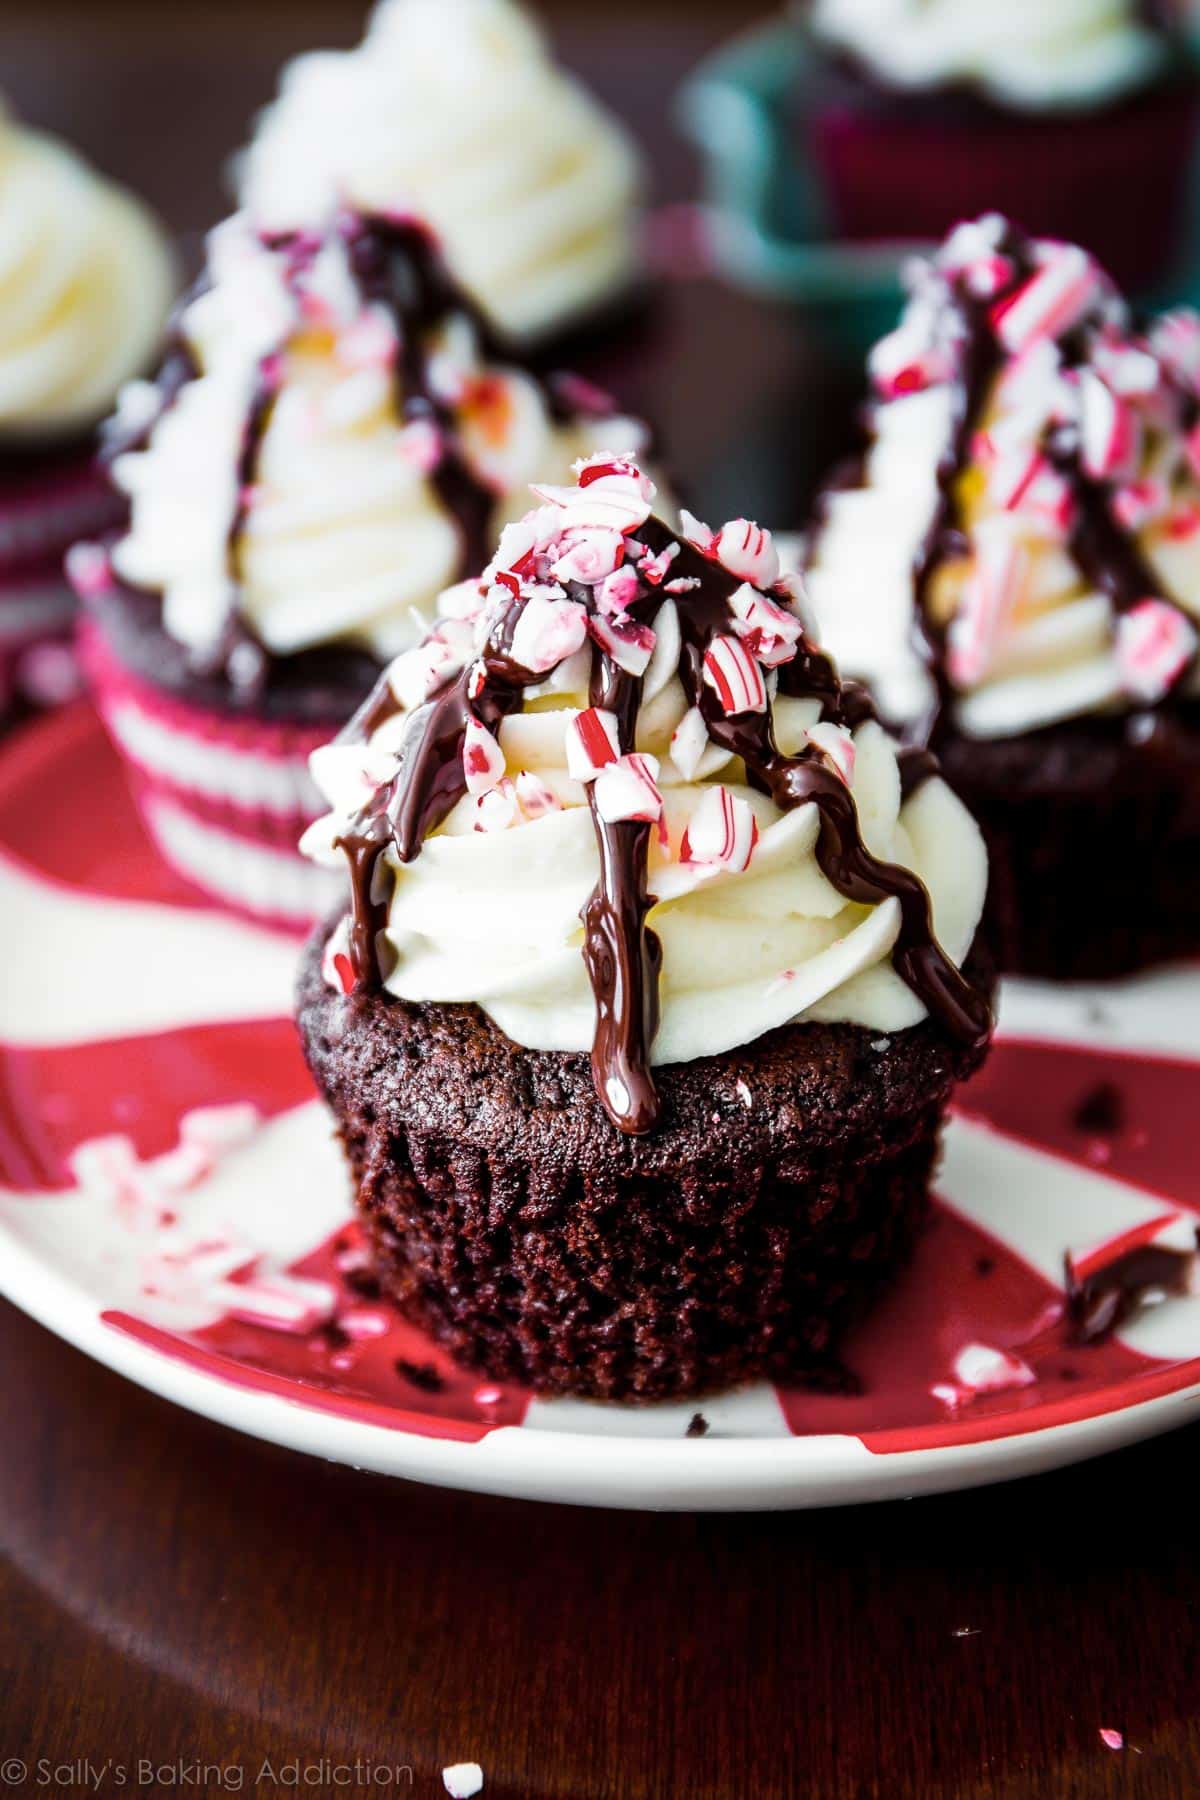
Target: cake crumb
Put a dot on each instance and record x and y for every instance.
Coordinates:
(462, 1780)
(697, 1426)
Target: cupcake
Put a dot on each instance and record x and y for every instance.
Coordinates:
(1015, 570)
(333, 441)
(1075, 116)
(456, 112)
(85, 287)
(640, 1029)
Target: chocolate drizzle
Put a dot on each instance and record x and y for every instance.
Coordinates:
(1103, 1301)
(622, 954)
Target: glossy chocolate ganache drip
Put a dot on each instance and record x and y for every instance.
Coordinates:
(585, 577)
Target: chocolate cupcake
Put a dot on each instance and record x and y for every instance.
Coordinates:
(1016, 572)
(86, 288)
(457, 112)
(1077, 117)
(334, 439)
(641, 1027)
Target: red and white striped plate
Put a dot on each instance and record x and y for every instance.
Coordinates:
(171, 1202)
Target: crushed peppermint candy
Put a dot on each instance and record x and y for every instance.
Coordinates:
(462, 1781)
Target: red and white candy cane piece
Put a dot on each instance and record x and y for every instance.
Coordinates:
(612, 492)
(722, 832)
(836, 745)
(1081, 1265)
(987, 605)
(748, 551)
(1176, 339)
(1130, 369)
(592, 743)
(700, 536)
(337, 969)
(618, 591)
(628, 789)
(89, 570)
(630, 645)
(689, 741)
(549, 629)
(1051, 301)
(731, 671)
(768, 630)
(497, 809)
(1140, 503)
(655, 569)
(536, 799)
(1110, 436)
(1155, 644)
(589, 556)
(483, 759)
(982, 1369)
(1023, 481)
(905, 362)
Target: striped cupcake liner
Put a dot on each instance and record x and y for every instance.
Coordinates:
(225, 799)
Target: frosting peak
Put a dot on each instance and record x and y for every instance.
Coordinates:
(86, 280)
(1030, 54)
(334, 441)
(1032, 491)
(619, 799)
(453, 109)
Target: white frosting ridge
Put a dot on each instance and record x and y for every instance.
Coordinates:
(753, 933)
(86, 281)
(1086, 418)
(345, 535)
(455, 112)
(1039, 55)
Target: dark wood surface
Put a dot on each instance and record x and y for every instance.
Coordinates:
(178, 1596)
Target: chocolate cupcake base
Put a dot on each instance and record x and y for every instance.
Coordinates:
(512, 1221)
(1093, 834)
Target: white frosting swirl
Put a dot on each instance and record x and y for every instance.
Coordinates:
(452, 109)
(1035, 55)
(344, 535)
(86, 281)
(490, 909)
(1030, 640)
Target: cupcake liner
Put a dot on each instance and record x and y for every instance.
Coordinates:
(225, 798)
(1093, 841)
(41, 515)
(511, 1220)
(1116, 181)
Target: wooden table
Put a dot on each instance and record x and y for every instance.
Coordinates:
(177, 1597)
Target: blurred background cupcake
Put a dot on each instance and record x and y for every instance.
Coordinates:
(924, 112)
(1014, 568)
(333, 441)
(454, 110)
(86, 281)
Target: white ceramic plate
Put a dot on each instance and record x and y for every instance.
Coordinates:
(172, 1204)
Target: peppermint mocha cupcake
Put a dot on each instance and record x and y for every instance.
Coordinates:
(457, 113)
(1077, 117)
(1016, 572)
(333, 440)
(641, 1027)
(85, 286)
